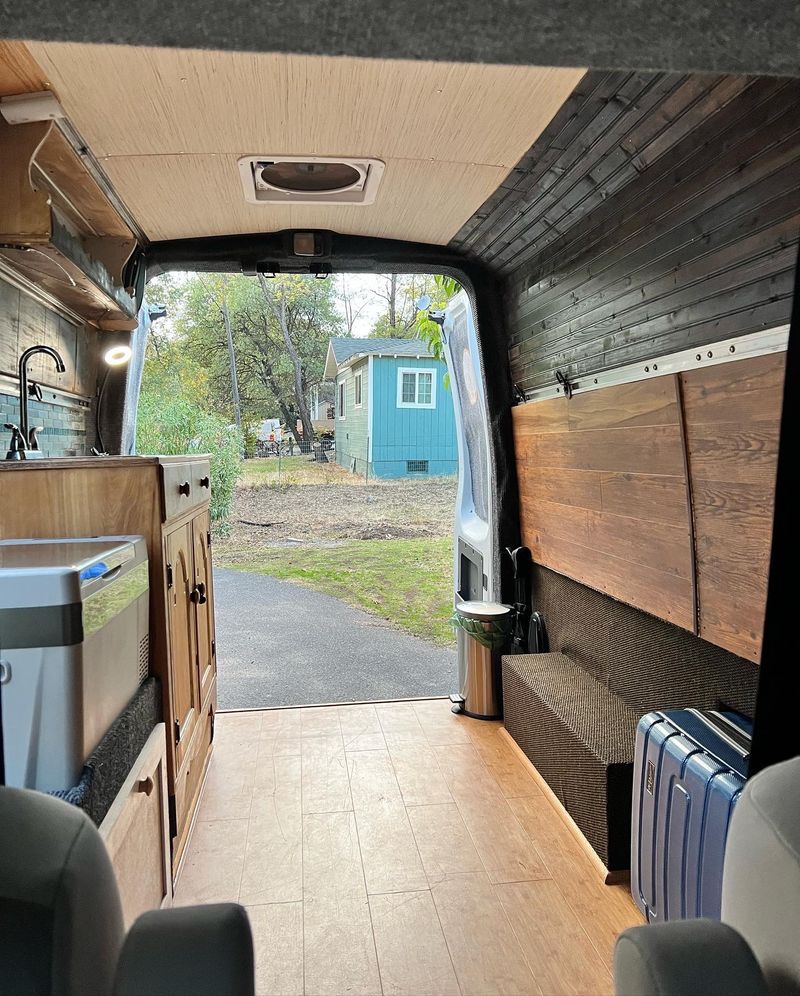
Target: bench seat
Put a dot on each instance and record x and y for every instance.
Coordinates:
(581, 737)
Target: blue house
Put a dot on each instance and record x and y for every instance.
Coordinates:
(394, 415)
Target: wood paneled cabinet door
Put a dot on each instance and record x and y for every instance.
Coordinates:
(136, 832)
(182, 627)
(204, 603)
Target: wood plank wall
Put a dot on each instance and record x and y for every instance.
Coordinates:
(732, 417)
(605, 493)
(656, 211)
(25, 322)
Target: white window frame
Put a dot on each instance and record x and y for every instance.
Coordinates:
(416, 371)
(342, 400)
(358, 391)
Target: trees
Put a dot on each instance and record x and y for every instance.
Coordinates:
(353, 301)
(294, 311)
(260, 343)
(400, 292)
(279, 331)
(173, 416)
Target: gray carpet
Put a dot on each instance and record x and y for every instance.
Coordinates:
(282, 644)
(746, 36)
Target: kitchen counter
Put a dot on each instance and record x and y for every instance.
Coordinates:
(83, 463)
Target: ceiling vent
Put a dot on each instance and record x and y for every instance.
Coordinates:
(309, 179)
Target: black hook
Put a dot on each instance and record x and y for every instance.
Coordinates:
(566, 383)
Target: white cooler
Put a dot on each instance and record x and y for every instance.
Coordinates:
(73, 650)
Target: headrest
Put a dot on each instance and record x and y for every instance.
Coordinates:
(761, 881)
(53, 860)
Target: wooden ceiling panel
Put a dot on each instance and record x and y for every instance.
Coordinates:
(128, 101)
(168, 126)
(19, 73)
(194, 196)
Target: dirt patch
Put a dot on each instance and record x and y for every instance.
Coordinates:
(337, 508)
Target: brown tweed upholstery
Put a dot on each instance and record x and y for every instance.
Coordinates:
(581, 737)
(574, 712)
(650, 663)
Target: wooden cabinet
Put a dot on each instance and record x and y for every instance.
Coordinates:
(190, 779)
(182, 635)
(136, 832)
(192, 650)
(204, 602)
(165, 499)
(59, 230)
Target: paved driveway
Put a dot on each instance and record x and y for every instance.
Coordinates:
(282, 644)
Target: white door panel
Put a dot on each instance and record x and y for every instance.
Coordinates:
(474, 512)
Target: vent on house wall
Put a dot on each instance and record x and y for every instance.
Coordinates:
(416, 466)
(309, 179)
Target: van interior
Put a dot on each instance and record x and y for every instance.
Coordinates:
(611, 800)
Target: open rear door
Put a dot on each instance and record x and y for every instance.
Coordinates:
(474, 537)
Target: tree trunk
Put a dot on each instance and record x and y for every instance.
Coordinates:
(267, 377)
(237, 408)
(288, 417)
(297, 366)
(393, 300)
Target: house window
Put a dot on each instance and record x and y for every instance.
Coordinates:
(357, 390)
(416, 466)
(342, 395)
(416, 388)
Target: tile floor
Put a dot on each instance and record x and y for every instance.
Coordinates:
(396, 848)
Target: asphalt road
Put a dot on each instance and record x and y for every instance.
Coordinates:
(282, 644)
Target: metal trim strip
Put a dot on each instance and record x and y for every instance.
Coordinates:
(772, 340)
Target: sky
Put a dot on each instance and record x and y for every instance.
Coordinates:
(360, 286)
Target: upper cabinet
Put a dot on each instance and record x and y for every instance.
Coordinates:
(59, 230)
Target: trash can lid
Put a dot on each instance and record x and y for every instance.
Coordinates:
(483, 610)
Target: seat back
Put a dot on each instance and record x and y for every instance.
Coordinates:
(761, 880)
(61, 927)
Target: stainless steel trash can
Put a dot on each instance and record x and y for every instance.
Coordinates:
(479, 689)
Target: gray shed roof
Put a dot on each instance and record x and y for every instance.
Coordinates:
(341, 349)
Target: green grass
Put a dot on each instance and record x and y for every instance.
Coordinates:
(298, 470)
(408, 582)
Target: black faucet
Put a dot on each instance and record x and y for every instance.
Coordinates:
(27, 436)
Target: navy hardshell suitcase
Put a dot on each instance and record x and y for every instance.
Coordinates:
(689, 770)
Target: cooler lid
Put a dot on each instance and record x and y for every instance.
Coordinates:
(55, 571)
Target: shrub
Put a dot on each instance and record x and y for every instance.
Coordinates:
(176, 424)
(250, 434)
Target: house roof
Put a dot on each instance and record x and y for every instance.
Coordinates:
(343, 351)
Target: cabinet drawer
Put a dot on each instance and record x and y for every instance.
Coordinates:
(182, 490)
(190, 777)
(136, 832)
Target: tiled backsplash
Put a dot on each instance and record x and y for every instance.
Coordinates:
(68, 425)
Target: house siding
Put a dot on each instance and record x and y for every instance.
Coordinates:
(352, 431)
(403, 434)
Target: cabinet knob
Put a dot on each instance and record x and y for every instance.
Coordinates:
(198, 594)
(205, 482)
(184, 489)
(145, 785)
